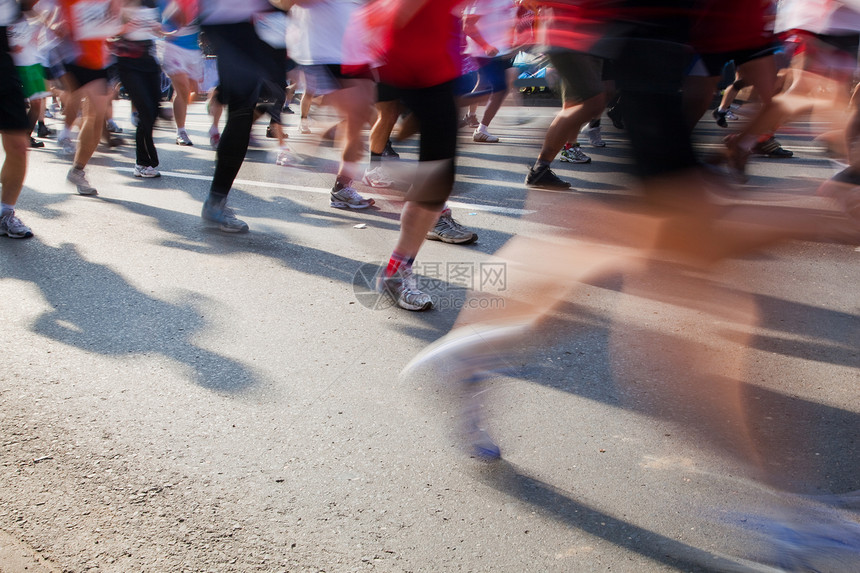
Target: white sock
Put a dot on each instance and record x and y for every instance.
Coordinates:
(483, 129)
(6, 207)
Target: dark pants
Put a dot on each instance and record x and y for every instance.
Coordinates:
(436, 111)
(141, 78)
(246, 72)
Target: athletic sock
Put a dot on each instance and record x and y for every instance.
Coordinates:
(398, 261)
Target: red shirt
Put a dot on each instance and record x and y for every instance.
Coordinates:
(426, 50)
(90, 23)
(728, 25)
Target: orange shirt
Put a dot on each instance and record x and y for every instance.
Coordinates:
(91, 23)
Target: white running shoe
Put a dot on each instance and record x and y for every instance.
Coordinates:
(594, 136)
(146, 171)
(182, 138)
(484, 137)
(348, 198)
(377, 177)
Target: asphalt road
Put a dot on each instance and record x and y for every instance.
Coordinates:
(177, 399)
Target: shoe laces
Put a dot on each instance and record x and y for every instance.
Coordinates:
(447, 221)
(348, 192)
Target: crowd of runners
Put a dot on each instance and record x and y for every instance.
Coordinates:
(432, 67)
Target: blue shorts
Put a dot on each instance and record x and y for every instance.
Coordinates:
(492, 74)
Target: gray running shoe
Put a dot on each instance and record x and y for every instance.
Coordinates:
(574, 154)
(349, 198)
(79, 178)
(217, 214)
(11, 226)
(66, 145)
(448, 230)
(403, 288)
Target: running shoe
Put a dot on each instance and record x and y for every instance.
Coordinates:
(12, 227)
(35, 143)
(348, 198)
(594, 136)
(67, 146)
(304, 127)
(450, 231)
(214, 139)
(402, 286)
(720, 117)
(484, 137)
(216, 213)
(471, 120)
(377, 177)
(464, 358)
(146, 171)
(389, 152)
(731, 115)
(43, 130)
(771, 148)
(286, 157)
(112, 126)
(183, 139)
(544, 178)
(574, 154)
(79, 178)
(614, 114)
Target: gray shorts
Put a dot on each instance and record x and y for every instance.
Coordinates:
(580, 75)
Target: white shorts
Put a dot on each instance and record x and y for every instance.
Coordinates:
(176, 60)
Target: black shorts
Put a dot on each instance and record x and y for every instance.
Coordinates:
(13, 111)
(386, 92)
(714, 63)
(83, 76)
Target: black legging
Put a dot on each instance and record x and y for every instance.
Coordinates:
(246, 73)
(141, 78)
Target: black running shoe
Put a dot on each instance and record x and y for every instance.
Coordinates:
(614, 114)
(720, 117)
(35, 143)
(389, 151)
(544, 178)
(772, 148)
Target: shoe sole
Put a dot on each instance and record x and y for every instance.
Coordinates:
(435, 237)
(16, 235)
(141, 175)
(216, 225)
(345, 205)
(580, 162)
(415, 307)
(377, 184)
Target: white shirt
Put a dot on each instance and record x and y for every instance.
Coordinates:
(9, 12)
(496, 22)
(818, 16)
(316, 32)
